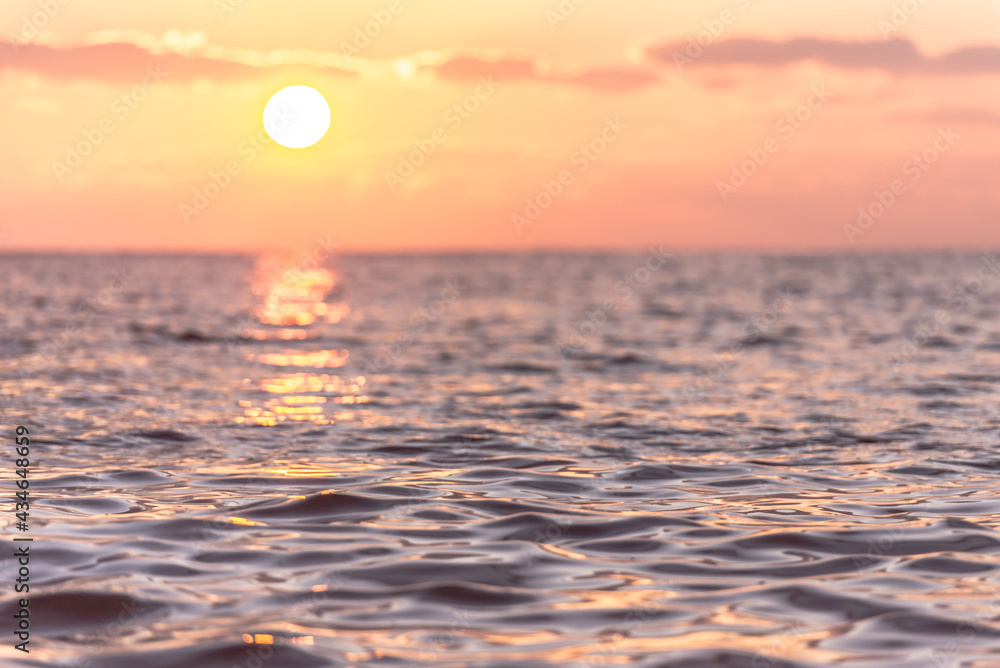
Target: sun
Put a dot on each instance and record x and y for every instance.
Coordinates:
(297, 116)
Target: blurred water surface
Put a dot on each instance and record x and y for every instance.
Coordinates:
(492, 460)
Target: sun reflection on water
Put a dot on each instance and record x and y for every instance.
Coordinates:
(296, 305)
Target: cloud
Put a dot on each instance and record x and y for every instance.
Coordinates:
(125, 57)
(472, 67)
(127, 62)
(975, 60)
(956, 116)
(614, 78)
(511, 68)
(898, 56)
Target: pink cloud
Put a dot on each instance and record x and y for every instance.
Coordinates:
(522, 68)
(614, 78)
(956, 116)
(898, 56)
(122, 62)
(470, 67)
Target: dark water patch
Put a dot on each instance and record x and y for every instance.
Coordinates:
(393, 491)
(768, 341)
(503, 508)
(426, 571)
(940, 405)
(461, 438)
(649, 472)
(622, 429)
(168, 570)
(177, 530)
(974, 377)
(863, 542)
(439, 516)
(791, 571)
(222, 655)
(528, 462)
(630, 359)
(987, 463)
(922, 471)
(321, 558)
(273, 482)
(241, 557)
(818, 603)
(912, 631)
(488, 473)
(496, 391)
(194, 336)
(939, 342)
(521, 368)
(600, 620)
(567, 406)
(60, 615)
(555, 484)
(948, 566)
(934, 390)
(634, 546)
(469, 596)
(662, 311)
(318, 507)
(540, 527)
(739, 482)
(721, 659)
(169, 435)
(851, 436)
(912, 625)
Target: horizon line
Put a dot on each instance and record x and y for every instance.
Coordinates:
(555, 250)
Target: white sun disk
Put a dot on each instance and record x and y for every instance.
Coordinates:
(297, 116)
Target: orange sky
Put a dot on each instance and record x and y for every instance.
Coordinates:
(606, 126)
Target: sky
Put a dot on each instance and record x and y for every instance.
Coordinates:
(846, 125)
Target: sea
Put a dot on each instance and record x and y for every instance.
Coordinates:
(652, 459)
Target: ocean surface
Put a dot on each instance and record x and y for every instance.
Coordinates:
(505, 460)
